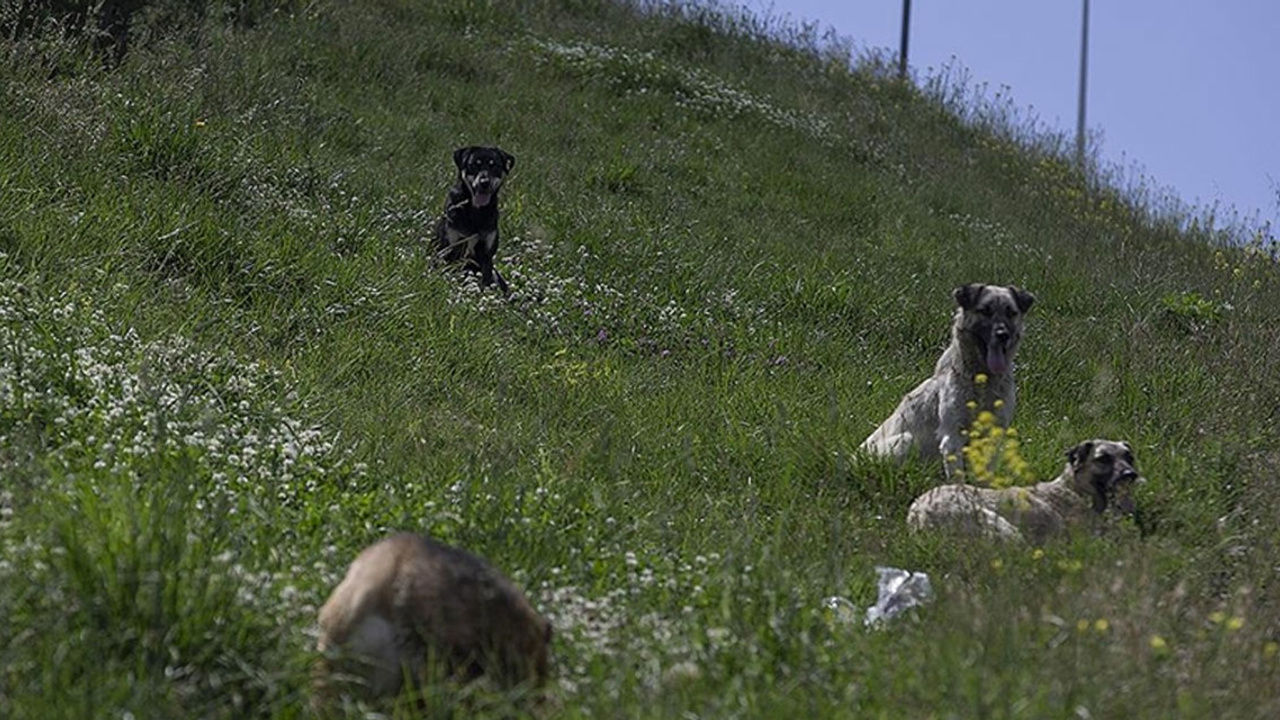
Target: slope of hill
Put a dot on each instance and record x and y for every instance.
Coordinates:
(226, 364)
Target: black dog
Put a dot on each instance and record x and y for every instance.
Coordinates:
(468, 230)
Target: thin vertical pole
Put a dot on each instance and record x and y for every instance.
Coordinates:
(906, 33)
(1084, 81)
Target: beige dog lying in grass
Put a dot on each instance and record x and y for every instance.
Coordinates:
(414, 608)
(1100, 474)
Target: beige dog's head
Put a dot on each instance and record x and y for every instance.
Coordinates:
(1105, 472)
(991, 318)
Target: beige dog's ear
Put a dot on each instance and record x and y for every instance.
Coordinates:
(967, 295)
(1024, 299)
(1078, 454)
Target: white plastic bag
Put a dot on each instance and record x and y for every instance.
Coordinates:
(899, 590)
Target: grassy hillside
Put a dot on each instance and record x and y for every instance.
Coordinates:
(226, 365)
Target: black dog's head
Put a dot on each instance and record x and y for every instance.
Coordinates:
(1105, 472)
(992, 315)
(481, 169)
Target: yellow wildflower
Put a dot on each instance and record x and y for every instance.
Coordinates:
(1101, 625)
(1217, 616)
(1235, 623)
(1021, 499)
(1158, 644)
(980, 379)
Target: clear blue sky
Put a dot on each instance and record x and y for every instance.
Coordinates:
(1190, 91)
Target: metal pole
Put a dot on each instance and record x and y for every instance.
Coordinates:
(1084, 80)
(906, 28)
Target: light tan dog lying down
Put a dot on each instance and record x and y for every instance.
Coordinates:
(1100, 474)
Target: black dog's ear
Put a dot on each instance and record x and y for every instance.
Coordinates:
(1024, 299)
(1078, 454)
(967, 295)
(460, 155)
(508, 160)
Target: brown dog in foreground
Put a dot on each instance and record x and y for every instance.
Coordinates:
(410, 607)
(1100, 474)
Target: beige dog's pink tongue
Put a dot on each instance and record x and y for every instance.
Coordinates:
(997, 361)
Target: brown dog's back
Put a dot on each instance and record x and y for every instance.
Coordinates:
(408, 602)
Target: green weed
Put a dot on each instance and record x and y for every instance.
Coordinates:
(226, 365)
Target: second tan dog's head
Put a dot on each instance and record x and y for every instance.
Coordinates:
(1105, 472)
(991, 319)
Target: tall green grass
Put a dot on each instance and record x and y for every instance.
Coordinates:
(226, 364)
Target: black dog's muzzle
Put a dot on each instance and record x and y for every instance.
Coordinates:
(482, 186)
